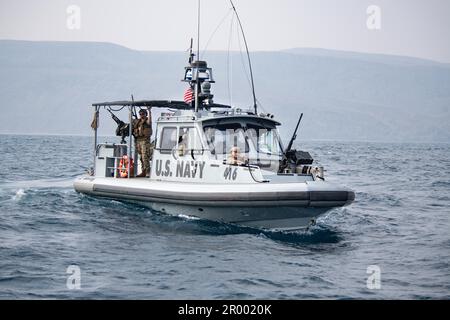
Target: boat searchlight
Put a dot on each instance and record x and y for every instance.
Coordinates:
(198, 70)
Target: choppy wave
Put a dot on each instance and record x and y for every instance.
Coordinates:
(399, 222)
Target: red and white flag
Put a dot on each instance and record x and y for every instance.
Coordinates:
(188, 95)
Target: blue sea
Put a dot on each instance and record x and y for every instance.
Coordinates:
(399, 225)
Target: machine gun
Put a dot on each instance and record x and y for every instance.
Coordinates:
(292, 158)
(123, 129)
(294, 136)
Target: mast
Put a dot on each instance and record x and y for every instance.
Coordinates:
(198, 75)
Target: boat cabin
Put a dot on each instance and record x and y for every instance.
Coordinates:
(217, 145)
(200, 140)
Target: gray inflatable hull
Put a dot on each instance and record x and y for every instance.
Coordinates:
(283, 206)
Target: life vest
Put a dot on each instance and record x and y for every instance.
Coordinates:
(141, 129)
(123, 167)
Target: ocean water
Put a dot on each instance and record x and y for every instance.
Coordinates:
(399, 222)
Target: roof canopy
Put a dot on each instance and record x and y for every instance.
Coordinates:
(180, 105)
(244, 118)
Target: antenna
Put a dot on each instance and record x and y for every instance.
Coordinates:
(198, 57)
(248, 56)
(198, 30)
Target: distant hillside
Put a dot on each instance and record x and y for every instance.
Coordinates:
(368, 57)
(48, 87)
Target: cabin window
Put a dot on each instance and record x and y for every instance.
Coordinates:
(265, 140)
(221, 138)
(266, 143)
(188, 140)
(258, 143)
(168, 139)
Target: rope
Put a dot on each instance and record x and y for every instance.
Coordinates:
(242, 59)
(120, 109)
(254, 179)
(214, 32)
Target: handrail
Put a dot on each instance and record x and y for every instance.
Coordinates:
(181, 117)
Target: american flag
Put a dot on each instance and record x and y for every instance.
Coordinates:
(188, 95)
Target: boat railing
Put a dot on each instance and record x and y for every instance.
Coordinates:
(176, 118)
(115, 168)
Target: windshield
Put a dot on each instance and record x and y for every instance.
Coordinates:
(265, 140)
(241, 143)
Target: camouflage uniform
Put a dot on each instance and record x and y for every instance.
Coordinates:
(142, 132)
(145, 151)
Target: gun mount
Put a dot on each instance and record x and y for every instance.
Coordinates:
(123, 129)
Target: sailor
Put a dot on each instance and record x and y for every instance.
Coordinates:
(142, 131)
(235, 157)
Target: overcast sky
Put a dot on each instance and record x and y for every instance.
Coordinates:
(418, 28)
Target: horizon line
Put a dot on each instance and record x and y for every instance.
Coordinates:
(285, 50)
(305, 140)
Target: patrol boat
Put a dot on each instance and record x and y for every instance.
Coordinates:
(213, 161)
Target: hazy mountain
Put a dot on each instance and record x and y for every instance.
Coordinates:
(48, 87)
